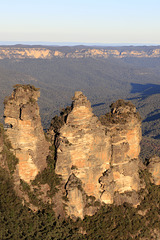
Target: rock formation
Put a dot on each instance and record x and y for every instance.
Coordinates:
(124, 127)
(99, 161)
(22, 53)
(154, 169)
(25, 131)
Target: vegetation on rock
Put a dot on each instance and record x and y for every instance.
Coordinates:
(8, 157)
(48, 175)
(26, 87)
(110, 222)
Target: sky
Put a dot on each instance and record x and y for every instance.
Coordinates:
(80, 21)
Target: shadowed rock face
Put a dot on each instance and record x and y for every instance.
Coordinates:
(25, 131)
(102, 157)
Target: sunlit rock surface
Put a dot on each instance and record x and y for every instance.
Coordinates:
(102, 155)
(154, 169)
(23, 52)
(25, 131)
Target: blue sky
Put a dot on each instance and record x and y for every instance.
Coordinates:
(87, 21)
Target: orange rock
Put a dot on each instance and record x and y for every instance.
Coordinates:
(103, 163)
(154, 169)
(26, 132)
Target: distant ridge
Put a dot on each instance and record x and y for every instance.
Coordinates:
(74, 43)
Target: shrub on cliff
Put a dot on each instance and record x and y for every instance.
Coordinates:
(9, 159)
(25, 87)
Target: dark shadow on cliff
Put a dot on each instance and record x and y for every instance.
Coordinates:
(145, 90)
(97, 105)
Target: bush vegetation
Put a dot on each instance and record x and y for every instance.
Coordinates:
(7, 155)
(48, 175)
(26, 87)
(110, 222)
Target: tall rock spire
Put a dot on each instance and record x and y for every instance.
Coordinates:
(99, 159)
(25, 131)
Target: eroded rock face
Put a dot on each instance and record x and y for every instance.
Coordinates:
(25, 131)
(22, 53)
(154, 169)
(84, 148)
(124, 127)
(103, 157)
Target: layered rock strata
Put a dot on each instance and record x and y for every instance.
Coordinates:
(25, 131)
(99, 161)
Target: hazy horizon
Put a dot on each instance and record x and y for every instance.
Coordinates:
(98, 22)
(61, 44)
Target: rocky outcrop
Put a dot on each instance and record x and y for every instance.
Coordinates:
(154, 169)
(84, 149)
(124, 127)
(99, 159)
(21, 53)
(83, 146)
(25, 131)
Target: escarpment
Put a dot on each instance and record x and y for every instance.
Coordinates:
(100, 158)
(25, 131)
(44, 52)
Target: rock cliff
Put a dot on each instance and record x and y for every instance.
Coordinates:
(49, 53)
(154, 169)
(98, 160)
(25, 131)
(121, 182)
(21, 53)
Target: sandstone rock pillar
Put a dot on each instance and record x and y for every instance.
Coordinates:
(25, 131)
